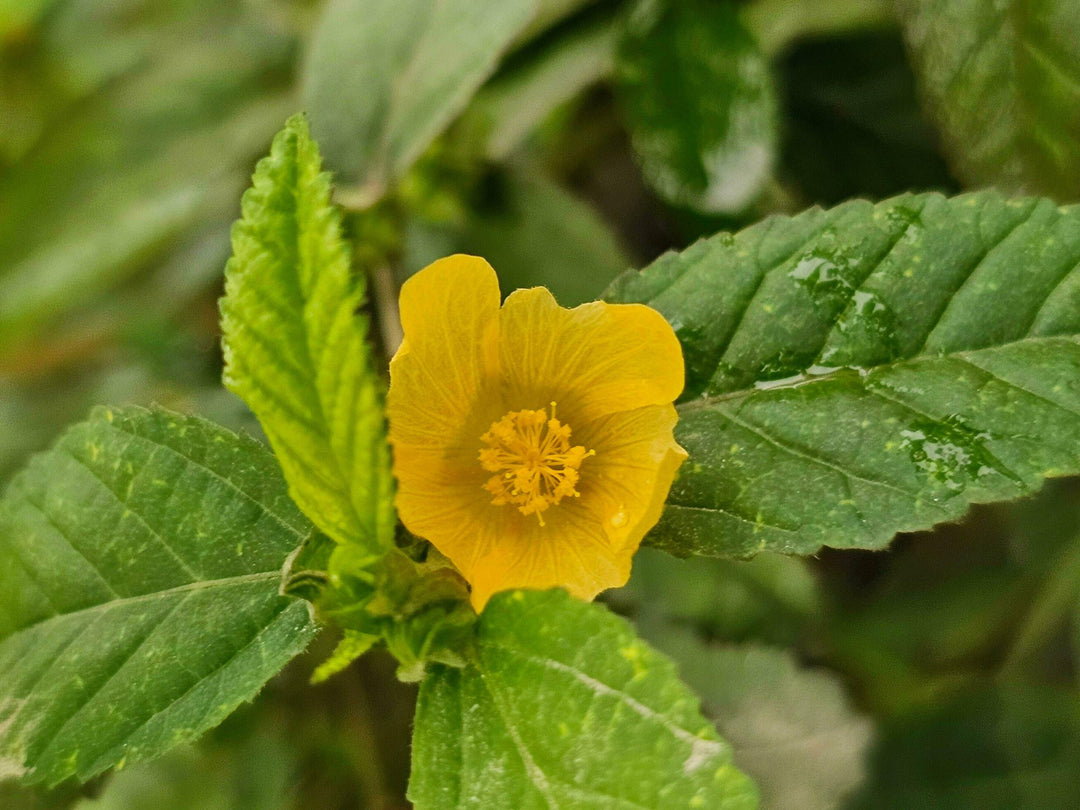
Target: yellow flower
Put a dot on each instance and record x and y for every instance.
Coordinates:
(532, 444)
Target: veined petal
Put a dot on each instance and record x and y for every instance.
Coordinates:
(448, 360)
(570, 551)
(592, 360)
(628, 480)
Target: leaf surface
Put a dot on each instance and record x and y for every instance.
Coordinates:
(700, 104)
(793, 729)
(412, 65)
(1002, 80)
(296, 346)
(139, 602)
(565, 708)
(869, 369)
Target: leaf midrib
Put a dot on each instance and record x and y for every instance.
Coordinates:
(188, 587)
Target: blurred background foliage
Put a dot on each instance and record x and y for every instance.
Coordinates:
(564, 140)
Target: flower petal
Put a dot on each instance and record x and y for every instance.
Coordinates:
(443, 392)
(593, 360)
(626, 483)
(449, 313)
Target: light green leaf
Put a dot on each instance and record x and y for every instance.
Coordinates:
(1002, 80)
(867, 370)
(518, 99)
(564, 708)
(700, 103)
(296, 347)
(793, 729)
(140, 602)
(412, 65)
(145, 152)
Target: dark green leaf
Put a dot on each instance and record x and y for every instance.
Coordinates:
(296, 346)
(1002, 79)
(854, 126)
(140, 602)
(867, 370)
(565, 708)
(700, 104)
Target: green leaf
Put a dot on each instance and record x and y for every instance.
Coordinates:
(990, 748)
(1002, 80)
(700, 104)
(141, 604)
(870, 369)
(519, 98)
(793, 730)
(144, 155)
(412, 66)
(296, 348)
(564, 707)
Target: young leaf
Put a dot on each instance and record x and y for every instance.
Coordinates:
(296, 348)
(869, 369)
(412, 66)
(700, 103)
(565, 708)
(1002, 79)
(139, 599)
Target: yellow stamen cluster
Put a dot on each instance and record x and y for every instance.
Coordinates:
(535, 464)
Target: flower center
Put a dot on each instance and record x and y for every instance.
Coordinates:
(534, 464)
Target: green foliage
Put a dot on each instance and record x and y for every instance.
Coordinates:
(1002, 81)
(541, 234)
(296, 347)
(563, 707)
(992, 748)
(792, 729)
(142, 604)
(414, 65)
(700, 103)
(126, 161)
(892, 364)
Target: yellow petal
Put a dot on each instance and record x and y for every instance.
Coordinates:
(449, 314)
(593, 360)
(443, 389)
(628, 480)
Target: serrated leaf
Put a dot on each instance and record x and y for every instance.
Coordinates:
(700, 103)
(565, 708)
(870, 369)
(296, 346)
(140, 605)
(412, 66)
(1002, 80)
